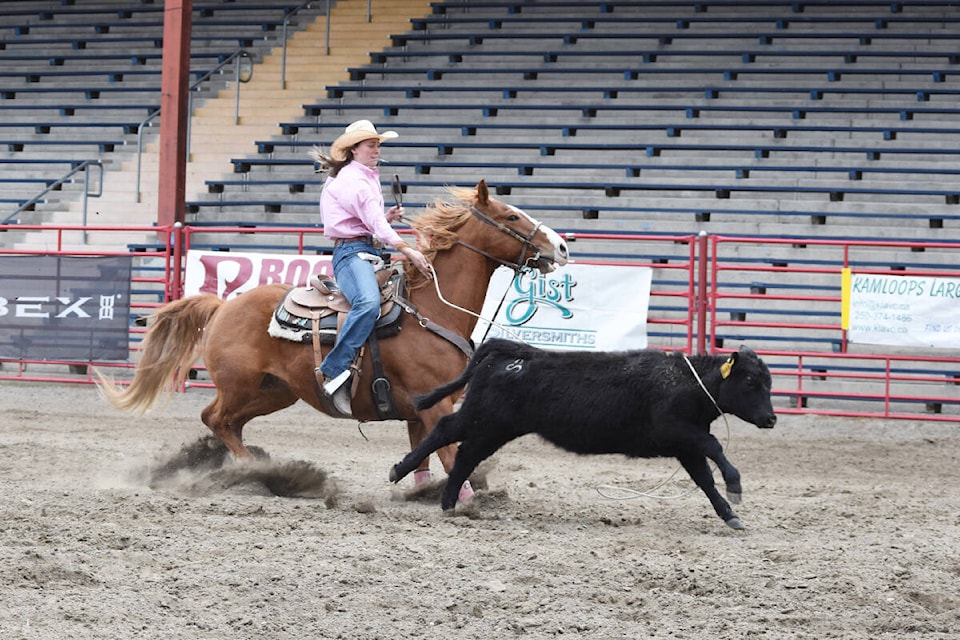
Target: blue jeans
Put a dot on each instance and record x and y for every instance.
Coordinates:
(357, 280)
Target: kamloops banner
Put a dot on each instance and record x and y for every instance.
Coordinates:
(230, 274)
(64, 308)
(577, 307)
(901, 310)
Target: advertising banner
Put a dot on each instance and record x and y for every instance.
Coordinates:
(64, 308)
(230, 274)
(911, 311)
(577, 307)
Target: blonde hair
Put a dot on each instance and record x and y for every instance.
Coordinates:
(328, 164)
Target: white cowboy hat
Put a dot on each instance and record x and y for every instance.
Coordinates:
(354, 134)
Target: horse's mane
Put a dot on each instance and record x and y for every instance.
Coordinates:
(436, 228)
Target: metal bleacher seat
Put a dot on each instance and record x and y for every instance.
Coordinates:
(782, 7)
(691, 109)
(654, 54)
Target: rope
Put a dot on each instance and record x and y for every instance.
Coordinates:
(436, 285)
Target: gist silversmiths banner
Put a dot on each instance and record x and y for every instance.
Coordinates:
(577, 307)
(64, 308)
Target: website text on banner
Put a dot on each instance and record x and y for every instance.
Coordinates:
(577, 307)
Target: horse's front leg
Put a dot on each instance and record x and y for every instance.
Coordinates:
(417, 431)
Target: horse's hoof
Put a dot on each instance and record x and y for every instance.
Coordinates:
(735, 523)
(394, 476)
(735, 496)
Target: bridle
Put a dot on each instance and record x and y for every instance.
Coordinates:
(526, 246)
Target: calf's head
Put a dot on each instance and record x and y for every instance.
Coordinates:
(745, 389)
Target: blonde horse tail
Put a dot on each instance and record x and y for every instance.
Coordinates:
(170, 346)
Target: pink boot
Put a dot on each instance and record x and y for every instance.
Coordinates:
(466, 493)
(420, 477)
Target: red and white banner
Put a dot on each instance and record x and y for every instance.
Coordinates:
(230, 274)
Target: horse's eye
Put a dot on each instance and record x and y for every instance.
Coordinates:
(513, 218)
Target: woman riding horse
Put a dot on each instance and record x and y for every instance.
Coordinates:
(256, 374)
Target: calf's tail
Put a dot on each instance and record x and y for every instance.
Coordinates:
(483, 352)
(429, 399)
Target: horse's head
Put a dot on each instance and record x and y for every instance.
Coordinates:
(499, 231)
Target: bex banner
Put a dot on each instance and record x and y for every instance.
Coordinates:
(64, 308)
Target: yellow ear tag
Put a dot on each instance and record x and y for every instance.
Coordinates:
(725, 368)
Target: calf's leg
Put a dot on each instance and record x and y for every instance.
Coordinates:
(731, 477)
(447, 431)
(699, 470)
(471, 453)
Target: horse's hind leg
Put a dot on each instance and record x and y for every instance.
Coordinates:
(231, 410)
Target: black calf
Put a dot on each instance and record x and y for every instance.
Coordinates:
(643, 404)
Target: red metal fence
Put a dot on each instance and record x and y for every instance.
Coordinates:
(782, 297)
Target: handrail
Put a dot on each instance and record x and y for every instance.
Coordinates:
(153, 114)
(236, 54)
(286, 21)
(60, 181)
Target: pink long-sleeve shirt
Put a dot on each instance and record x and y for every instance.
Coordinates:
(351, 205)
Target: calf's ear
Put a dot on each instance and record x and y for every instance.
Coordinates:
(727, 366)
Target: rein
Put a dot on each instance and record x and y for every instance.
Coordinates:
(518, 266)
(436, 285)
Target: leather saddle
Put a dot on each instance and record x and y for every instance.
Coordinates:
(323, 299)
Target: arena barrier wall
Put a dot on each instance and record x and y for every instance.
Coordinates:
(782, 297)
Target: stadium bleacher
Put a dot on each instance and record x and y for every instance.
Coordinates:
(78, 81)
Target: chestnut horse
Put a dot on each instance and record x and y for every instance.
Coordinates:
(256, 374)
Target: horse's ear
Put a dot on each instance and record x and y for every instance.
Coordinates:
(483, 194)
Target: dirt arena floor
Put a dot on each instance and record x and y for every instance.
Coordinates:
(112, 527)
